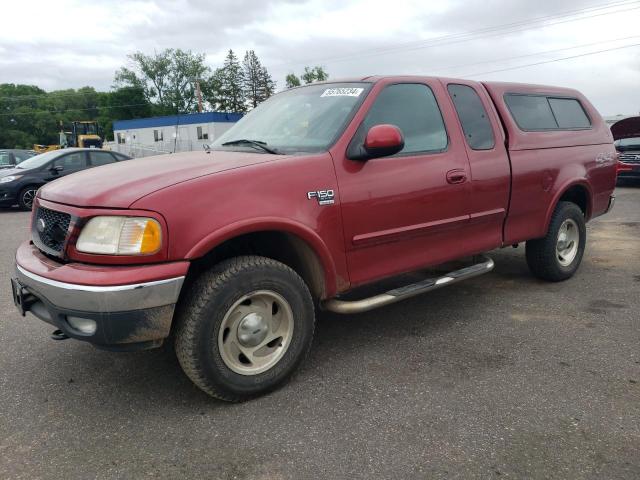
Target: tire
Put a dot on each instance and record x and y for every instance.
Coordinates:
(552, 258)
(26, 197)
(226, 313)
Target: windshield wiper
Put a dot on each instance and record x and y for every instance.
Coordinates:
(252, 143)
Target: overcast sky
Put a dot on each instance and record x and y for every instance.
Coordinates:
(69, 44)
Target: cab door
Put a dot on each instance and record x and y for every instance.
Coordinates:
(409, 210)
(490, 169)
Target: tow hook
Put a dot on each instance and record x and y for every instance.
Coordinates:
(59, 335)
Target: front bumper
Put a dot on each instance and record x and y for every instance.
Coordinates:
(129, 316)
(628, 171)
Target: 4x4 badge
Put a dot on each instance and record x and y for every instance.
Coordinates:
(324, 197)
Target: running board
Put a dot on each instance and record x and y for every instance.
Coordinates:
(397, 294)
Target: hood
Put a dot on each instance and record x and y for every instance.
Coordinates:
(627, 128)
(119, 185)
(10, 170)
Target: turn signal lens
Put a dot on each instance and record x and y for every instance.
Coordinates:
(120, 236)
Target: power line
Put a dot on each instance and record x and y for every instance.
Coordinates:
(497, 30)
(550, 61)
(535, 54)
(34, 112)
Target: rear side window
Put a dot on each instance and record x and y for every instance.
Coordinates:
(5, 159)
(531, 112)
(413, 108)
(473, 117)
(101, 158)
(71, 161)
(569, 113)
(539, 112)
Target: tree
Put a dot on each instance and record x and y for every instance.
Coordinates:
(166, 78)
(231, 96)
(315, 74)
(310, 75)
(267, 84)
(292, 81)
(258, 84)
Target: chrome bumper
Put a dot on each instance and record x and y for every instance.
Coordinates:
(612, 201)
(120, 298)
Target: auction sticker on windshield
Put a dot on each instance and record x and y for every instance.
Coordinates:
(342, 92)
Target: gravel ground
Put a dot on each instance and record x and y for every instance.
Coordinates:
(500, 376)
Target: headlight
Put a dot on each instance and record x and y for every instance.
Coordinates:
(120, 236)
(10, 178)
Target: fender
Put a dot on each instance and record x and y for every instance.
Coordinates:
(254, 225)
(560, 191)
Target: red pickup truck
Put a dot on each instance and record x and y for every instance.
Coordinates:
(317, 191)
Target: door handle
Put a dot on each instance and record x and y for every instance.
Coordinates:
(456, 176)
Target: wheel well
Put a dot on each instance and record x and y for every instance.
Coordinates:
(578, 195)
(281, 246)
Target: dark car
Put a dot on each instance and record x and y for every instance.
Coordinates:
(629, 149)
(19, 185)
(9, 158)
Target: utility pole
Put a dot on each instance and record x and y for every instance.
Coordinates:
(199, 94)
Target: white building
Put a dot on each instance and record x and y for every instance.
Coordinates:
(142, 137)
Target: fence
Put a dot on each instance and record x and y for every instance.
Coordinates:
(139, 150)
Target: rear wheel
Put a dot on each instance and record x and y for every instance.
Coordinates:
(26, 197)
(244, 328)
(557, 255)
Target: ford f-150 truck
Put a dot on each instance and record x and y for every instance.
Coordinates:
(319, 190)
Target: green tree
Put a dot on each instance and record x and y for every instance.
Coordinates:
(315, 74)
(292, 81)
(231, 95)
(258, 84)
(167, 79)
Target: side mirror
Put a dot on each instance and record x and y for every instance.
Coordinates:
(383, 140)
(56, 169)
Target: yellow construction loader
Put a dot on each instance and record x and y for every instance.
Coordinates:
(84, 134)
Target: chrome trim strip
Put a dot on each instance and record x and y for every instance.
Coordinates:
(91, 288)
(97, 299)
(357, 306)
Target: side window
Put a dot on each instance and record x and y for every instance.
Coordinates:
(413, 108)
(71, 161)
(101, 158)
(477, 128)
(5, 158)
(569, 113)
(202, 134)
(531, 112)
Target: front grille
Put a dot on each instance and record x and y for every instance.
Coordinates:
(630, 157)
(50, 230)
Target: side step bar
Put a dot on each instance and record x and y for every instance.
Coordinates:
(397, 294)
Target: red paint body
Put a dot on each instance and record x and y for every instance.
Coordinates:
(391, 214)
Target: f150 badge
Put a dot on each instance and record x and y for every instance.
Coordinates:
(324, 197)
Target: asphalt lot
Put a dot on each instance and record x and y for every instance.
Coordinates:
(502, 376)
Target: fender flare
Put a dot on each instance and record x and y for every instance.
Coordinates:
(582, 182)
(273, 224)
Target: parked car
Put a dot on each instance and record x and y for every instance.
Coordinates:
(629, 167)
(317, 191)
(18, 185)
(9, 158)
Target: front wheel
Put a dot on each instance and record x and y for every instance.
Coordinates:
(244, 327)
(557, 255)
(26, 197)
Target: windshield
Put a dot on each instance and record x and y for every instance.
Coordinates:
(86, 129)
(307, 119)
(39, 160)
(628, 143)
